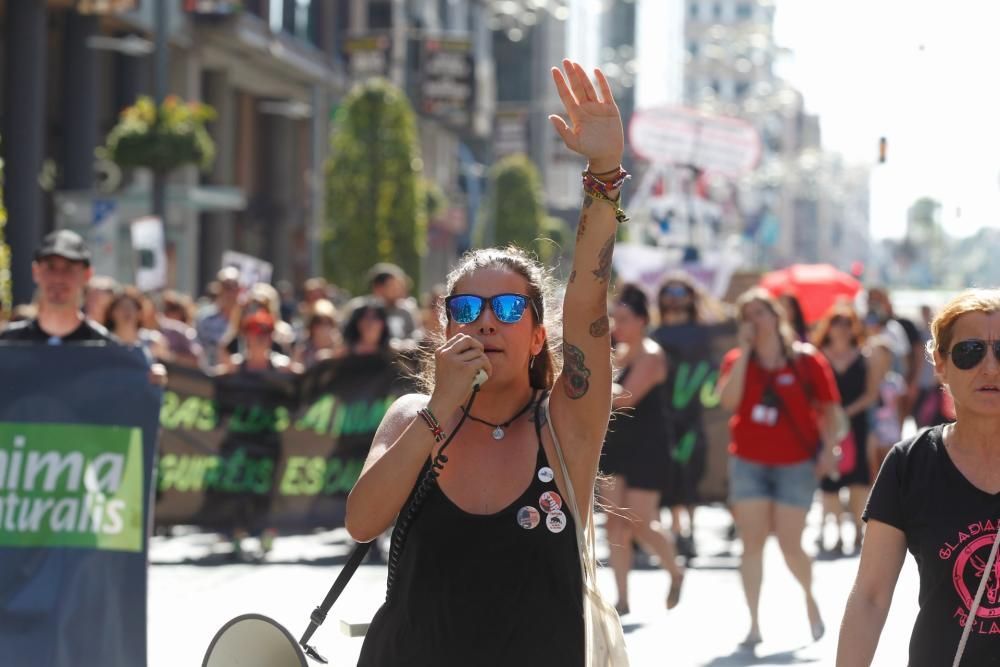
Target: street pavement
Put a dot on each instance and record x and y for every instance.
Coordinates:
(194, 590)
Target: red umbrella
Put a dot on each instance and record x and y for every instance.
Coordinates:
(816, 286)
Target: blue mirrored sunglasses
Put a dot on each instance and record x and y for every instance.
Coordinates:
(508, 308)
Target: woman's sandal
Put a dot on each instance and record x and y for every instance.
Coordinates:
(674, 595)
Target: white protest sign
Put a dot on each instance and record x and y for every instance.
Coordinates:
(678, 135)
(252, 269)
(149, 246)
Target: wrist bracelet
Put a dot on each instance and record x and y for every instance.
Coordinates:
(432, 424)
(620, 214)
(605, 173)
(590, 180)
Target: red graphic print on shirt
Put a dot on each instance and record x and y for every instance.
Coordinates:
(971, 552)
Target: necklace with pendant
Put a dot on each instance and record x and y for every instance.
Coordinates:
(498, 429)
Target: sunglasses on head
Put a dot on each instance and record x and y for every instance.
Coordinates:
(466, 308)
(840, 319)
(968, 354)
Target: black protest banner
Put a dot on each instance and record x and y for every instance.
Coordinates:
(78, 428)
(700, 425)
(253, 450)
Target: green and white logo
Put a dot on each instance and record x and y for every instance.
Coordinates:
(71, 486)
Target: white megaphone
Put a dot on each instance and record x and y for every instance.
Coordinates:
(255, 640)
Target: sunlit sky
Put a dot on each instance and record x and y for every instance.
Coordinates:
(922, 73)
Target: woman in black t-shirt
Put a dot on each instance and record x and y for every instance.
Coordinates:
(938, 496)
(489, 572)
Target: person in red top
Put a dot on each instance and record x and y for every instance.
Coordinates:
(787, 420)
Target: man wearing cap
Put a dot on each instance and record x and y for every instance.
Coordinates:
(390, 283)
(61, 271)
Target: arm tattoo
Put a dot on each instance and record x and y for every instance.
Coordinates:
(587, 201)
(603, 270)
(575, 374)
(600, 327)
(581, 227)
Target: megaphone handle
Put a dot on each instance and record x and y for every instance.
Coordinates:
(350, 567)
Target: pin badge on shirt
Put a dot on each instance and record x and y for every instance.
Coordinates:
(785, 380)
(550, 502)
(528, 517)
(545, 474)
(555, 522)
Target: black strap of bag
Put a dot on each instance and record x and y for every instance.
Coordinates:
(319, 613)
(811, 449)
(357, 555)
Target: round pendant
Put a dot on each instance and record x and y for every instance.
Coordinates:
(498, 433)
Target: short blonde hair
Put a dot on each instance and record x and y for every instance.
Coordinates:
(970, 301)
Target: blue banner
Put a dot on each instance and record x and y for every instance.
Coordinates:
(78, 430)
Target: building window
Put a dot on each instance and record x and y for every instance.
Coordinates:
(717, 11)
(693, 49)
(379, 15)
(693, 11)
(741, 89)
(744, 11)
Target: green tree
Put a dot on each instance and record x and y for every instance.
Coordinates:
(512, 211)
(6, 295)
(376, 211)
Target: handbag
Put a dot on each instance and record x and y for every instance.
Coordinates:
(604, 637)
(848, 454)
(987, 573)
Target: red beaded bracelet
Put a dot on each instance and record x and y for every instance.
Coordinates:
(595, 188)
(592, 182)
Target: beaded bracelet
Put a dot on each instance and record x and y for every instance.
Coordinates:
(595, 188)
(620, 176)
(432, 424)
(616, 170)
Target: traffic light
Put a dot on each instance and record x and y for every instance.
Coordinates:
(883, 146)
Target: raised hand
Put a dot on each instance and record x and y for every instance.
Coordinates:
(595, 124)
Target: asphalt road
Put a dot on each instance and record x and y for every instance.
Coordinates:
(194, 589)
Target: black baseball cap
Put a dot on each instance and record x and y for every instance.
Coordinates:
(66, 244)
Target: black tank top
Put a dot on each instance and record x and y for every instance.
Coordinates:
(498, 589)
(852, 382)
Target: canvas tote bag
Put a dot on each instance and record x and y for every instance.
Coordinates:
(605, 640)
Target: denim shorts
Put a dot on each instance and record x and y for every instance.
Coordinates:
(792, 484)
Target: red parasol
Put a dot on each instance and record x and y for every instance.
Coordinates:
(816, 286)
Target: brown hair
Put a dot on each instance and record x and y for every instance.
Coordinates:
(548, 363)
(762, 296)
(821, 335)
(127, 293)
(970, 301)
(704, 308)
(180, 304)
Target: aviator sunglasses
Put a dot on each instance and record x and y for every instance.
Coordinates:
(968, 354)
(508, 308)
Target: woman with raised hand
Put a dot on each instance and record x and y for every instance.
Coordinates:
(938, 496)
(484, 566)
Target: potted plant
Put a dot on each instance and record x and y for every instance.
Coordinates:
(162, 138)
